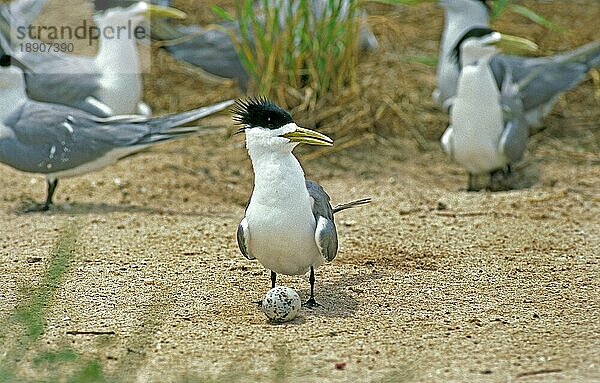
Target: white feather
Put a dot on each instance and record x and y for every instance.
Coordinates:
(280, 218)
(477, 121)
(118, 60)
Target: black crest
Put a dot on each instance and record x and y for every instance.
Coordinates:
(103, 5)
(260, 112)
(473, 32)
(486, 3)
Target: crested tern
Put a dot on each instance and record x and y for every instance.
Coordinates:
(553, 74)
(59, 141)
(489, 128)
(105, 85)
(289, 222)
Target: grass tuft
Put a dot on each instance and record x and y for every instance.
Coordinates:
(298, 52)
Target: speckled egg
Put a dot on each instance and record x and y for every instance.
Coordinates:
(281, 304)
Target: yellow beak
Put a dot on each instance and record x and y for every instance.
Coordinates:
(165, 12)
(307, 136)
(516, 45)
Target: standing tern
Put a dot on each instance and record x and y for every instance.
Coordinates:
(59, 141)
(289, 222)
(489, 128)
(105, 85)
(556, 74)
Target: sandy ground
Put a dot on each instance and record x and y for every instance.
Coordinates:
(431, 283)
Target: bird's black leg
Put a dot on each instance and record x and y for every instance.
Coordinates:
(311, 302)
(471, 186)
(51, 187)
(273, 280)
(500, 179)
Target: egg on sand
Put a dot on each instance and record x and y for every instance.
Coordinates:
(281, 304)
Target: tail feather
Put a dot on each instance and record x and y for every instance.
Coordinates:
(164, 123)
(349, 205)
(168, 135)
(588, 54)
(557, 74)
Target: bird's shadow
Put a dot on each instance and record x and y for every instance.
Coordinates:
(78, 208)
(523, 175)
(335, 297)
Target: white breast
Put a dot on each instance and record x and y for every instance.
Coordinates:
(120, 67)
(283, 239)
(477, 121)
(281, 224)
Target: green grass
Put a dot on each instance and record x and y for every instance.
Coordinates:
(296, 54)
(500, 7)
(20, 334)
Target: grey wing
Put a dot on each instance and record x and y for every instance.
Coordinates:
(54, 76)
(542, 79)
(325, 231)
(213, 52)
(243, 238)
(513, 140)
(447, 141)
(549, 82)
(50, 138)
(67, 80)
(519, 67)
